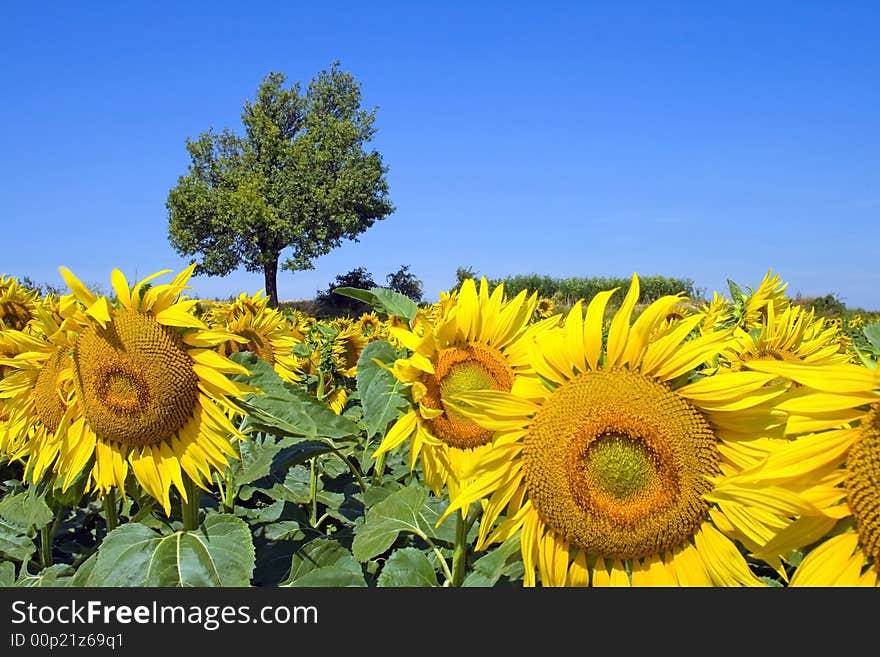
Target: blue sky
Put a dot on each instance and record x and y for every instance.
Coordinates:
(703, 140)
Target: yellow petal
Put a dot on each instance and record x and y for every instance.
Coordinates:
(402, 429)
(121, 287)
(618, 333)
(840, 378)
(593, 327)
(80, 291)
(100, 310)
(179, 315)
(823, 565)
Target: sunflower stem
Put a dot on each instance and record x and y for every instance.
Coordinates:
(111, 515)
(46, 535)
(459, 555)
(189, 509)
(313, 491)
(320, 391)
(351, 468)
(379, 469)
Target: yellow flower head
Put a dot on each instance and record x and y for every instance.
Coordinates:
(481, 342)
(18, 305)
(545, 307)
(611, 474)
(142, 388)
(261, 329)
(793, 335)
(770, 293)
(830, 467)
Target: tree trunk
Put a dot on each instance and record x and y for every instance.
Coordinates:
(270, 276)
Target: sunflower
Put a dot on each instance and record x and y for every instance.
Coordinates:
(36, 388)
(793, 335)
(770, 293)
(148, 392)
(371, 327)
(18, 304)
(609, 475)
(832, 463)
(716, 313)
(545, 307)
(481, 341)
(265, 330)
(346, 348)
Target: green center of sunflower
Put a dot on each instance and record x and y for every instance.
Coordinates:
(123, 390)
(464, 369)
(135, 379)
(618, 464)
(863, 484)
(465, 377)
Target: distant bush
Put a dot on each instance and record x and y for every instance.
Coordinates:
(406, 283)
(566, 291)
(826, 306)
(334, 305)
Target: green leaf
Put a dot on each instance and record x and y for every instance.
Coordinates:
(383, 300)
(220, 553)
(405, 510)
(285, 409)
(295, 488)
(395, 304)
(285, 530)
(57, 575)
(488, 569)
(381, 394)
(872, 332)
(84, 572)
(125, 555)
(324, 563)
(26, 510)
(366, 296)
(14, 544)
(735, 290)
(256, 459)
(375, 494)
(7, 574)
(407, 567)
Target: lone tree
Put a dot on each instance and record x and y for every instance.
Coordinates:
(299, 177)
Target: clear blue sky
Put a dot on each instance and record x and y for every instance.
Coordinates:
(707, 140)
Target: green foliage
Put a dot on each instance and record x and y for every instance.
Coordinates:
(219, 553)
(384, 301)
(380, 393)
(15, 543)
(405, 282)
(567, 291)
(334, 305)
(337, 299)
(462, 274)
(828, 305)
(406, 510)
(324, 562)
(501, 561)
(407, 567)
(872, 334)
(283, 409)
(26, 510)
(7, 574)
(300, 177)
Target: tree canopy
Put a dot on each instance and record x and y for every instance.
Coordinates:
(300, 177)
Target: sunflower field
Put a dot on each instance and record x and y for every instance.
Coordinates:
(488, 439)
